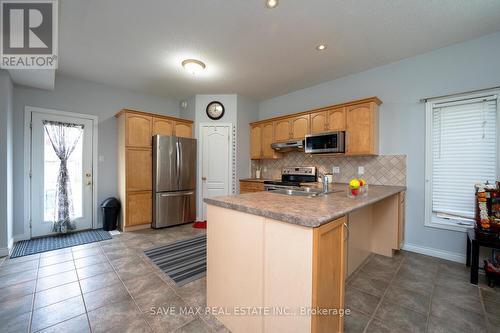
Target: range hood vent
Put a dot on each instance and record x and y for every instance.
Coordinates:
(284, 147)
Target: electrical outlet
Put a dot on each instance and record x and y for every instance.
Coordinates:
(361, 170)
(335, 169)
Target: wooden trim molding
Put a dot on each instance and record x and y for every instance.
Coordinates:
(148, 114)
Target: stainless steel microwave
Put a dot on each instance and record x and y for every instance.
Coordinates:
(331, 142)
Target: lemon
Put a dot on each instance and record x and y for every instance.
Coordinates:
(354, 183)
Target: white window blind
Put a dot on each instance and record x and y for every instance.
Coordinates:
(464, 152)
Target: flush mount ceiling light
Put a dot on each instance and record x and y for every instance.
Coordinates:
(321, 47)
(193, 66)
(272, 4)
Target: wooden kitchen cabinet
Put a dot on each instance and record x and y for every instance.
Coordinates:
(362, 129)
(247, 186)
(183, 129)
(139, 208)
(163, 126)
(261, 138)
(319, 122)
(135, 131)
(336, 119)
(138, 130)
(282, 130)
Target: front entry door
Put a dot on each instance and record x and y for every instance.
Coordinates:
(45, 168)
(215, 159)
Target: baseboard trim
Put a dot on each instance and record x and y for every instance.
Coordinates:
(21, 237)
(443, 254)
(4, 251)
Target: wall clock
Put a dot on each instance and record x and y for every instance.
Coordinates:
(215, 110)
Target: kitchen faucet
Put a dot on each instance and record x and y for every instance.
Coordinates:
(325, 181)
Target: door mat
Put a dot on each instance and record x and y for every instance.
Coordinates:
(183, 261)
(50, 243)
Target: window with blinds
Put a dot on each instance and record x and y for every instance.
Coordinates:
(461, 151)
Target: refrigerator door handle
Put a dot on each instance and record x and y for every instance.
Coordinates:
(176, 194)
(179, 161)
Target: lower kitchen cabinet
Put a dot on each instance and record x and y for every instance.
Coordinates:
(139, 208)
(250, 186)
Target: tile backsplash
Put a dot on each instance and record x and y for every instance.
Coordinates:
(379, 170)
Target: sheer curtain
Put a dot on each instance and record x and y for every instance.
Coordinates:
(64, 137)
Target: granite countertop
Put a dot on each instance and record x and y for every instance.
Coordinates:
(261, 180)
(305, 211)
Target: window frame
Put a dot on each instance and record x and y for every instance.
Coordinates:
(429, 107)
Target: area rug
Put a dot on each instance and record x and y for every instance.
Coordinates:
(183, 261)
(200, 225)
(50, 243)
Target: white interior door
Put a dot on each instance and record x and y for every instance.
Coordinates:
(45, 169)
(216, 155)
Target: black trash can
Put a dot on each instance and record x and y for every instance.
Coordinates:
(110, 211)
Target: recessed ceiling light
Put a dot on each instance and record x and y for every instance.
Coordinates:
(193, 66)
(321, 47)
(272, 4)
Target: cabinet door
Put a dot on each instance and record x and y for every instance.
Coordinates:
(139, 169)
(183, 130)
(299, 127)
(282, 130)
(162, 126)
(336, 119)
(138, 130)
(139, 208)
(255, 142)
(319, 122)
(360, 129)
(267, 140)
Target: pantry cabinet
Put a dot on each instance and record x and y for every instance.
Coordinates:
(135, 179)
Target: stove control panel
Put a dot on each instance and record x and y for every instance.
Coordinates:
(299, 171)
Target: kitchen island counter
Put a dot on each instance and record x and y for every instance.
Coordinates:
(306, 211)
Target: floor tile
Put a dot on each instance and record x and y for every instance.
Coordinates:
(17, 290)
(492, 312)
(140, 285)
(118, 317)
(418, 271)
(15, 307)
(194, 292)
(57, 313)
(375, 271)
(467, 298)
(84, 246)
(368, 285)
(454, 282)
(56, 269)
(132, 271)
(455, 269)
(156, 298)
(407, 280)
(98, 281)
(93, 251)
(55, 252)
(16, 278)
(409, 299)
(92, 260)
(167, 322)
(361, 301)
(473, 321)
(56, 259)
(30, 257)
(112, 294)
(355, 322)
(92, 270)
(79, 324)
(18, 267)
(376, 326)
(440, 325)
(56, 280)
(194, 326)
(397, 317)
(56, 294)
(15, 324)
(490, 294)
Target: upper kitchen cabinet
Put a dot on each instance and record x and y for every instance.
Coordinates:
(138, 130)
(291, 128)
(163, 126)
(336, 119)
(261, 138)
(183, 129)
(319, 122)
(362, 129)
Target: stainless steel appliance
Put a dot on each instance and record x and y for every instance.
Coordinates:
(291, 178)
(332, 142)
(288, 146)
(174, 180)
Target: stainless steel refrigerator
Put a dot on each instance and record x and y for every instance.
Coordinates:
(174, 180)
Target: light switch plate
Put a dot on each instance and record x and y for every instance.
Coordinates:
(361, 170)
(335, 169)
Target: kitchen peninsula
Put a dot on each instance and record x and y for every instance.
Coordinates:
(292, 254)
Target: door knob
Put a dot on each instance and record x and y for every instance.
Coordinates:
(204, 178)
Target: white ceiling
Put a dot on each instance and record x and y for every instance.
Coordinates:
(252, 50)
